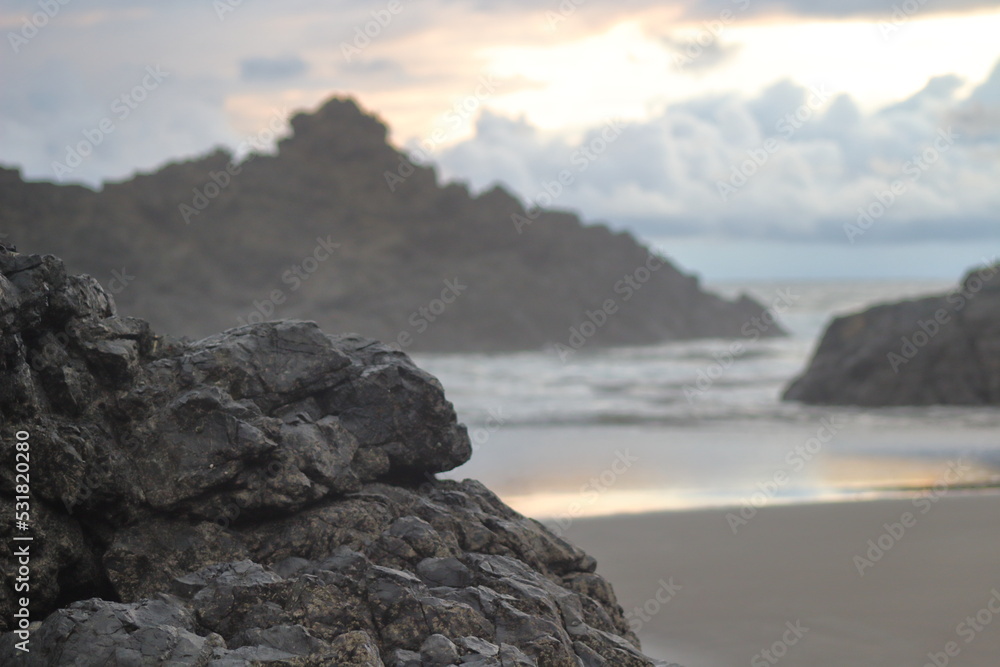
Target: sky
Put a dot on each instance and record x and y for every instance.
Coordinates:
(746, 139)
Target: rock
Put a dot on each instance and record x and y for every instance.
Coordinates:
(355, 649)
(444, 572)
(262, 496)
(317, 231)
(95, 632)
(404, 658)
(438, 651)
(941, 349)
(474, 646)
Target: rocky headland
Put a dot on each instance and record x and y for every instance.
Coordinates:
(266, 495)
(341, 228)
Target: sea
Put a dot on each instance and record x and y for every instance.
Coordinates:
(696, 424)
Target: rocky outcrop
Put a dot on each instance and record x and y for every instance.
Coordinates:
(262, 496)
(937, 350)
(341, 228)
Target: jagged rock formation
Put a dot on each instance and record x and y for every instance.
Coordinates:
(263, 496)
(341, 228)
(938, 350)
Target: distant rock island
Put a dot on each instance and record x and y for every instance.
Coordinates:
(264, 496)
(341, 228)
(939, 350)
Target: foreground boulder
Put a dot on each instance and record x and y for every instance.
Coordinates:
(941, 349)
(262, 496)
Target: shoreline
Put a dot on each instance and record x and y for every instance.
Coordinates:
(879, 581)
(524, 503)
(576, 472)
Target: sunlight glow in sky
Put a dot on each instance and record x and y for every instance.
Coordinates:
(628, 72)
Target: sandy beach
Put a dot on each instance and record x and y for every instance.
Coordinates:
(887, 583)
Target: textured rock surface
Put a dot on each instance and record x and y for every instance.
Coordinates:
(316, 232)
(937, 350)
(263, 496)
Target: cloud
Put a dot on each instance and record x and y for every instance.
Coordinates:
(698, 10)
(385, 71)
(939, 90)
(695, 9)
(661, 174)
(692, 56)
(979, 117)
(790, 164)
(280, 68)
(988, 93)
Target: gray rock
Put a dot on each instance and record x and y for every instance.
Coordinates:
(404, 658)
(444, 572)
(937, 350)
(263, 496)
(292, 639)
(511, 656)
(95, 632)
(476, 647)
(438, 651)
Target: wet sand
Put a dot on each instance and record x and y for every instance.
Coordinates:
(788, 582)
